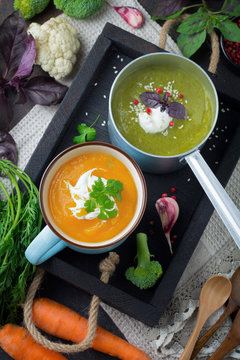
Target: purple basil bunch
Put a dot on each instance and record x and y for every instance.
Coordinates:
(174, 109)
(17, 55)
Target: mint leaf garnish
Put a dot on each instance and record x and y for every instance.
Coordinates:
(100, 198)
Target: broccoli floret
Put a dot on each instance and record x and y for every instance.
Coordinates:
(147, 272)
(79, 8)
(30, 8)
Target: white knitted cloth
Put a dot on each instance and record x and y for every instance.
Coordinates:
(165, 341)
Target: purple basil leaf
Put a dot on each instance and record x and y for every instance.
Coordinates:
(168, 7)
(165, 97)
(177, 111)
(6, 113)
(8, 149)
(151, 99)
(27, 61)
(22, 99)
(44, 90)
(13, 41)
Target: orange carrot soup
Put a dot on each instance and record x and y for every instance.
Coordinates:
(92, 197)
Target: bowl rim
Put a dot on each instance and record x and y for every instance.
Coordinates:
(144, 153)
(94, 246)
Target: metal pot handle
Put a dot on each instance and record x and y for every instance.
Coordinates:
(224, 206)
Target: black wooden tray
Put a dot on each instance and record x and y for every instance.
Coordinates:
(88, 97)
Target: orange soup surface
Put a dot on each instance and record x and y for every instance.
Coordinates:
(61, 201)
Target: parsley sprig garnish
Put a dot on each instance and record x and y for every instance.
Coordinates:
(87, 133)
(100, 198)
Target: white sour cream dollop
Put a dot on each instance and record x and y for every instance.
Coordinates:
(81, 192)
(156, 121)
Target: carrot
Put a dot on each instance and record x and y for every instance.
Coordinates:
(62, 322)
(20, 345)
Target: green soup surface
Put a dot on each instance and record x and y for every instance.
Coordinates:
(185, 134)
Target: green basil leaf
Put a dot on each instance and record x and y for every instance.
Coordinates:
(194, 23)
(231, 7)
(213, 20)
(190, 43)
(229, 30)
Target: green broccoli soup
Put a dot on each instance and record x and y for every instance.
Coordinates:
(146, 112)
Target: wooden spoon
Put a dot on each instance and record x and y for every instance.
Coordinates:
(214, 294)
(232, 340)
(233, 305)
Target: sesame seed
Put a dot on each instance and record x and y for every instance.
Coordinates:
(95, 84)
(189, 179)
(222, 110)
(226, 140)
(210, 149)
(115, 72)
(114, 67)
(104, 96)
(86, 113)
(121, 59)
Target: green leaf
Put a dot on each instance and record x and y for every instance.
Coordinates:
(229, 30)
(194, 23)
(79, 139)
(213, 20)
(231, 7)
(190, 43)
(100, 197)
(112, 213)
(103, 215)
(90, 205)
(87, 133)
(98, 187)
(114, 188)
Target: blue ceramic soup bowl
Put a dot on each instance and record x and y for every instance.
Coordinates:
(52, 239)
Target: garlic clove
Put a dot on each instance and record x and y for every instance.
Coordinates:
(168, 210)
(131, 15)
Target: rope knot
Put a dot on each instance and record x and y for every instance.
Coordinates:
(108, 265)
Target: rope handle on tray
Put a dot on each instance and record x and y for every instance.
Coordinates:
(107, 268)
(214, 59)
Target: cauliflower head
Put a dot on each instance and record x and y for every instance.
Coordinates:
(80, 9)
(57, 45)
(30, 8)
